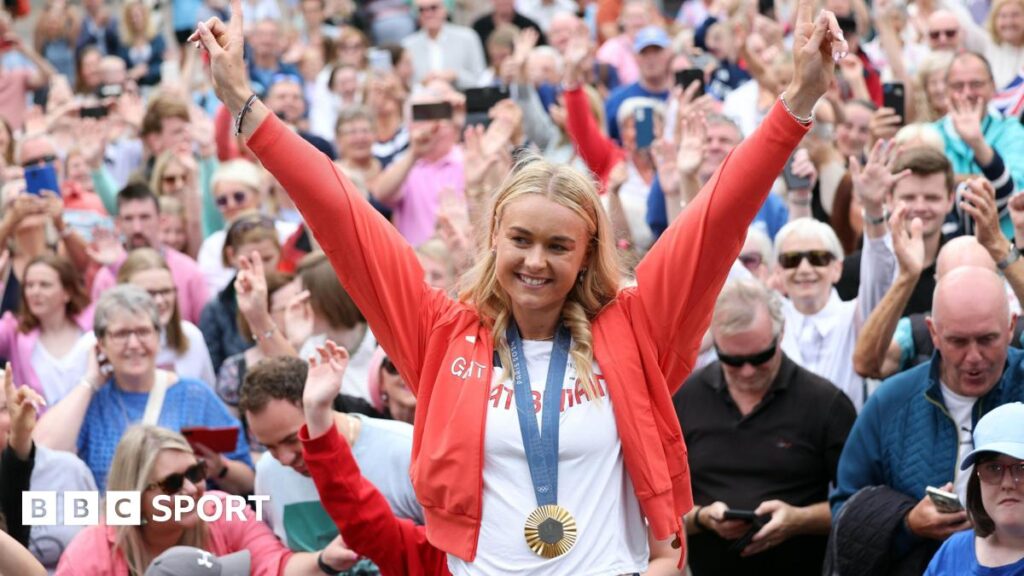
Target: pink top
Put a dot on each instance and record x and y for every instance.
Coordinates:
(192, 293)
(419, 199)
(618, 52)
(92, 551)
(14, 86)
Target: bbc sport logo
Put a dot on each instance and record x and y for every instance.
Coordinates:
(124, 508)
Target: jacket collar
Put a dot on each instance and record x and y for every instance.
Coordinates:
(934, 389)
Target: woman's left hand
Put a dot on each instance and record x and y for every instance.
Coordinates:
(818, 43)
(251, 287)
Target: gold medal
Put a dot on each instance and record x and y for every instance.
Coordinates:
(550, 531)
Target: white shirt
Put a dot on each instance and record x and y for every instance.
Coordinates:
(58, 376)
(356, 381)
(824, 342)
(592, 484)
(960, 408)
(211, 262)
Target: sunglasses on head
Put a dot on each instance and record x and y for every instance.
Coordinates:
(790, 260)
(754, 360)
(238, 196)
(388, 366)
(173, 483)
(936, 34)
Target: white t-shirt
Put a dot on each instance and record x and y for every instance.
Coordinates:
(960, 408)
(211, 262)
(356, 381)
(592, 484)
(58, 376)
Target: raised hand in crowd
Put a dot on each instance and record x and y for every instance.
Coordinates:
(927, 521)
(692, 153)
(885, 123)
(1016, 208)
(907, 242)
(979, 200)
(455, 228)
(323, 384)
(251, 295)
(875, 180)
(513, 69)
(22, 403)
(576, 56)
(664, 152)
(818, 43)
(106, 248)
(967, 114)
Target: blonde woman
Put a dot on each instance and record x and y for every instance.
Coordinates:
(546, 301)
(142, 48)
(177, 176)
(156, 461)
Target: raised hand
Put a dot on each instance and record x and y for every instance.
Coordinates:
(21, 405)
(106, 248)
(884, 124)
(907, 241)
(1016, 206)
(575, 58)
(966, 116)
(251, 286)
(664, 153)
(225, 44)
(979, 200)
(818, 43)
(692, 145)
(323, 383)
(872, 182)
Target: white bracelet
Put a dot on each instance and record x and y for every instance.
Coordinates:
(90, 385)
(803, 120)
(265, 335)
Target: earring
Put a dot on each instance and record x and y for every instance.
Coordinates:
(579, 277)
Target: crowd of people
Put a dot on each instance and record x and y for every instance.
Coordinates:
(754, 266)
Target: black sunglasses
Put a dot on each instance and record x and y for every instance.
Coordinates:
(42, 160)
(754, 360)
(388, 366)
(790, 260)
(173, 483)
(238, 196)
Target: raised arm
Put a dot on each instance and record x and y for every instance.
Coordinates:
(374, 263)
(679, 279)
(598, 150)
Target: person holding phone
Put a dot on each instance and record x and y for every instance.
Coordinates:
(546, 289)
(995, 501)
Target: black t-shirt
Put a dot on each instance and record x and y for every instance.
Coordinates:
(786, 449)
(920, 300)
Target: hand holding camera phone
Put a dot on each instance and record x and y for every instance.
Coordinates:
(945, 502)
(40, 178)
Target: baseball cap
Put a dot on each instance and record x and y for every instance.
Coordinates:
(651, 36)
(1000, 431)
(189, 561)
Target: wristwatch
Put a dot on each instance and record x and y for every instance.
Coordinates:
(874, 221)
(1012, 256)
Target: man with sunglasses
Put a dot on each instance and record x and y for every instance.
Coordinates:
(763, 435)
(441, 50)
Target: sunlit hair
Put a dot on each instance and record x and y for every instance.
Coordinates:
(933, 63)
(70, 281)
(599, 280)
(141, 260)
(738, 304)
(163, 162)
(763, 244)
(129, 34)
(810, 229)
(130, 470)
(993, 13)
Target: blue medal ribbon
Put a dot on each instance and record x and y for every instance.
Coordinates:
(541, 450)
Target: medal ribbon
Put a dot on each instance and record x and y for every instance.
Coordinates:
(541, 450)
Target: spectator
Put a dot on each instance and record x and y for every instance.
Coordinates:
(173, 224)
(944, 32)
(623, 53)
(219, 321)
(155, 462)
(15, 85)
(389, 393)
(44, 340)
(176, 176)
(385, 96)
(756, 256)
(917, 426)
(932, 95)
(978, 141)
(142, 47)
(1001, 40)
(450, 52)
(138, 221)
(264, 59)
(56, 36)
(285, 97)
(99, 28)
(741, 417)
(503, 12)
(91, 419)
(183, 350)
(87, 68)
(993, 503)
(653, 54)
(271, 401)
(854, 132)
(543, 12)
(354, 137)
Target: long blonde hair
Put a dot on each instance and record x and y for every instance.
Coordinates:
(599, 279)
(133, 463)
(141, 260)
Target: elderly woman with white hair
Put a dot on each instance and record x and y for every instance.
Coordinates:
(237, 190)
(821, 329)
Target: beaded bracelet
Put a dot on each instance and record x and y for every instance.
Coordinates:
(248, 106)
(798, 118)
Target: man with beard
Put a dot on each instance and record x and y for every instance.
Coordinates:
(138, 216)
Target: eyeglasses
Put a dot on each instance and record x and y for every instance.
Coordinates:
(751, 261)
(429, 7)
(388, 366)
(121, 337)
(173, 483)
(754, 360)
(974, 85)
(936, 34)
(239, 197)
(174, 178)
(42, 160)
(992, 473)
(790, 260)
(162, 293)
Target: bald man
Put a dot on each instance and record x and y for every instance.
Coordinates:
(914, 431)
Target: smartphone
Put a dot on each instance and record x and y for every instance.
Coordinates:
(41, 177)
(745, 515)
(483, 99)
(110, 90)
(946, 502)
(379, 59)
(100, 111)
(686, 77)
(643, 120)
(433, 111)
(755, 526)
(220, 440)
(794, 182)
(893, 97)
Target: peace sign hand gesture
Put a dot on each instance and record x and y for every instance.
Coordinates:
(225, 43)
(818, 43)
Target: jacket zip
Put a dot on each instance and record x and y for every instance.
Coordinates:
(956, 465)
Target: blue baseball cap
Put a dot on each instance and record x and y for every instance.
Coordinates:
(651, 36)
(1000, 431)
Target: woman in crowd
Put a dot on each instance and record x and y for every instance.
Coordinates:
(932, 99)
(182, 347)
(173, 224)
(388, 392)
(385, 96)
(159, 462)
(176, 176)
(142, 46)
(547, 271)
(219, 321)
(116, 392)
(995, 501)
(44, 340)
(354, 136)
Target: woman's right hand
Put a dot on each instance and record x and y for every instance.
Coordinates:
(251, 288)
(225, 44)
(94, 371)
(818, 43)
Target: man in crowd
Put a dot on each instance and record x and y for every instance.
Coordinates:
(271, 401)
(285, 99)
(763, 435)
(138, 216)
(441, 50)
(653, 56)
(265, 51)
